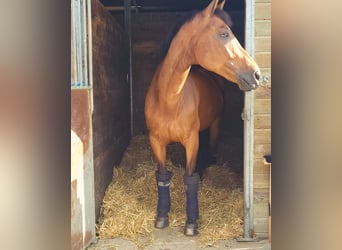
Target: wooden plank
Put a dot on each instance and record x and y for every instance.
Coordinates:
(263, 92)
(261, 195)
(262, 28)
(261, 210)
(262, 121)
(266, 72)
(261, 225)
(262, 149)
(261, 180)
(263, 59)
(260, 167)
(262, 136)
(111, 118)
(261, 235)
(262, 11)
(262, 43)
(262, 106)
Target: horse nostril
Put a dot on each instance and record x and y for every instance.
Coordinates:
(257, 75)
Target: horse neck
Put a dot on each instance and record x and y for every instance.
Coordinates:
(175, 69)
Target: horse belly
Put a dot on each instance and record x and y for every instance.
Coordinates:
(211, 104)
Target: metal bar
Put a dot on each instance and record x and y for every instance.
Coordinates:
(90, 54)
(73, 44)
(128, 27)
(90, 84)
(84, 43)
(249, 130)
(78, 42)
(144, 8)
(121, 8)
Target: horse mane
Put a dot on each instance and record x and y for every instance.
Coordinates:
(186, 18)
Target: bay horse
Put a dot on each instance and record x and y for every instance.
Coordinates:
(181, 101)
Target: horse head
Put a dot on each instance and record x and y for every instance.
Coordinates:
(216, 49)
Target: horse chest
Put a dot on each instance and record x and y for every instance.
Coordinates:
(175, 127)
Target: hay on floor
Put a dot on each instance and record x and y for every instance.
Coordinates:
(129, 205)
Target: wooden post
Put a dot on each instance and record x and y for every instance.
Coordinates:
(267, 161)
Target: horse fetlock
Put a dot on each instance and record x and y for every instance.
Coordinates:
(191, 181)
(163, 178)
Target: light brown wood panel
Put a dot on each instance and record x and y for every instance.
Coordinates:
(261, 210)
(262, 235)
(262, 106)
(263, 92)
(261, 180)
(261, 195)
(262, 28)
(262, 149)
(261, 225)
(260, 167)
(266, 72)
(262, 11)
(262, 136)
(263, 59)
(262, 43)
(262, 121)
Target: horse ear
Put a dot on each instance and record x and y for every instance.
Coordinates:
(221, 5)
(210, 9)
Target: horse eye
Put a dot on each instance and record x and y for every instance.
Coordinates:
(224, 34)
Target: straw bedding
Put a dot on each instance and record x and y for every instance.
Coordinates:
(129, 205)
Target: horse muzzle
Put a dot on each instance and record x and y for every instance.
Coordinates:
(248, 82)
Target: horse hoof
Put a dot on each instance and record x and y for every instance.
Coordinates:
(162, 222)
(191, 229)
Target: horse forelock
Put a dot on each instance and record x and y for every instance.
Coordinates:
(224, 16)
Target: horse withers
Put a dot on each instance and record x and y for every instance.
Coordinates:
(182, 101)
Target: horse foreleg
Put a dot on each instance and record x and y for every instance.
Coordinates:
(191, 183)
(163, 178)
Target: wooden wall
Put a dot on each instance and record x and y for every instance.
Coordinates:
(149, 30)
(111, 116)
(262, 119)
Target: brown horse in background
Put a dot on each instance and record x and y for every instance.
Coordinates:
(182, 100)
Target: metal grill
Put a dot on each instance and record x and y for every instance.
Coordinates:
(80, 44)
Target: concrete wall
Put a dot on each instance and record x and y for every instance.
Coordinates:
(149, 30)
(111, 116)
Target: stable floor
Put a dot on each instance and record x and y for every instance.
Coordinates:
(169, 239)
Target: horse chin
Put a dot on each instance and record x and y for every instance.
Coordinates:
(245, 86)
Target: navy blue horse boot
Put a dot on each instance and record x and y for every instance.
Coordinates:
(164, 203)
(192, 213)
